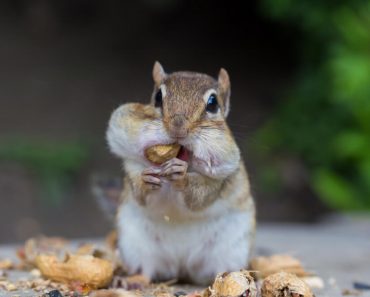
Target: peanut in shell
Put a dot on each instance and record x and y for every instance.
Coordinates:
(159, 154)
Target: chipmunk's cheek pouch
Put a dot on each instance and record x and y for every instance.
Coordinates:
(183, 154)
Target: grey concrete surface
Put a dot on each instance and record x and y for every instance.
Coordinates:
(337, 250)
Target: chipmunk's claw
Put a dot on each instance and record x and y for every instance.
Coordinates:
(150, 177)
(175, 169)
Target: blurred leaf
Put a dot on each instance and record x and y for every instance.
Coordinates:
(334, 190)
(351, 78)
(351, 144)
(353, 25)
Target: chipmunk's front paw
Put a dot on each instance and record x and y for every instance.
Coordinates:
(175, 169)
(150, 178)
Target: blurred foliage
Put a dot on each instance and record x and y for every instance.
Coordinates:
(54, 164)
(325, 117)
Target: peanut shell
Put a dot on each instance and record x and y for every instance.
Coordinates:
(265, 266)
(234, 284)
(86, 269)
(283, 284)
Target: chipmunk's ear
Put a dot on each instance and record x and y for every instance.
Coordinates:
(224, 89)
(158, 73)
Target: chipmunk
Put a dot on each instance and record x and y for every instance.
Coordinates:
(192, 216)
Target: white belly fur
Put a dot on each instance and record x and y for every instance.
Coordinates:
(197, 249)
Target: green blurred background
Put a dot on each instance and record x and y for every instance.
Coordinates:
(324, 118)
(300, 73)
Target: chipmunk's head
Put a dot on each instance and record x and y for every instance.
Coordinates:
(193, 108)
(186, 108)
(189, 101)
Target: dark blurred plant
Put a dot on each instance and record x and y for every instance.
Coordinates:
(54, 164)
(325, 117)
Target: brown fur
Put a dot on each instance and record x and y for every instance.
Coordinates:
(196, 197)
(143, 112)
(184, 98)
(184, 108)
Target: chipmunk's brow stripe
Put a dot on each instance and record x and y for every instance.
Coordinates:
(163, 89)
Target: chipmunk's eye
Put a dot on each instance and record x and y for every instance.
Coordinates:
(212, 104)
(158, 99)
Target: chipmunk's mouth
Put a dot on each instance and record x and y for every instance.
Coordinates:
(184, 154)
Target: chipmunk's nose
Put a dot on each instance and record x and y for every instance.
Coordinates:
(178, 120)
(178, 127)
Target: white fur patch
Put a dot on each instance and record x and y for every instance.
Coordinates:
(163, 90)
(198, 249)
(215, 153)
(128, 139)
